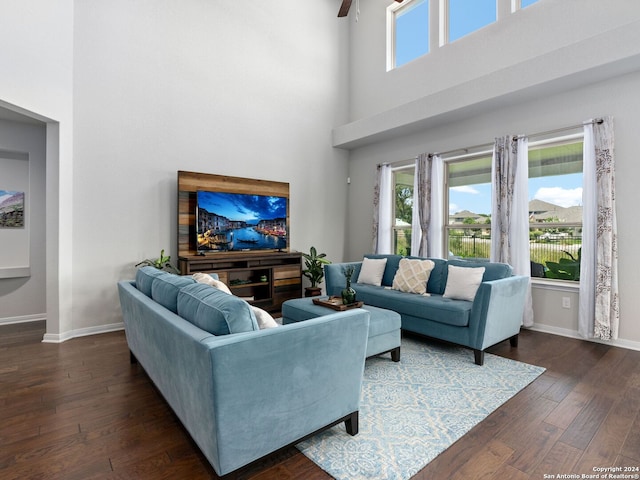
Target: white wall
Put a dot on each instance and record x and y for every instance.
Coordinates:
(36, 40)
(550, 31)
(478, 123)
(24, 299)
(242, 88)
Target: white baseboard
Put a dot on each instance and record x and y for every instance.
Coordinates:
(565, 332)
(81, 332)
(23, 319)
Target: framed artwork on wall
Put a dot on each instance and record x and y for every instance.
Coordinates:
(11, 209)
(15, 213)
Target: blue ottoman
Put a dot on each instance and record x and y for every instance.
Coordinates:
(384, 325)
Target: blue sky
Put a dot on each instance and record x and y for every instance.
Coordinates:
(565, 191)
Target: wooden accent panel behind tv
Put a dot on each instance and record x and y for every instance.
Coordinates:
(190, 182)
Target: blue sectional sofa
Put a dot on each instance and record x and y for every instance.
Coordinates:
(242, 392)
(493, 315)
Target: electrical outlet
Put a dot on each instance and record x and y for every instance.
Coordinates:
(566, 302)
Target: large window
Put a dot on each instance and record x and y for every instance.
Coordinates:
(466, 16)
(555, 211)
(408, 32)
(555, 206)
(468, 202)
(403, 209)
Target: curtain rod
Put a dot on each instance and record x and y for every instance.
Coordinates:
(559, 130)
(515, 137)
(465, 149)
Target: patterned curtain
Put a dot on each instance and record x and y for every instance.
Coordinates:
(423, 182)
(382, 210)
(510, 211)
(426, 238)
(598, 314)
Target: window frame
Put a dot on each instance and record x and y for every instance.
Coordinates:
(483, 152)
(517, 5)
(444, 17)
(448, 227)
(395, 170)
(392, 12)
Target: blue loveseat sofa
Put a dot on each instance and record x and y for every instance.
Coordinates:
(242, 392)
(494, 315)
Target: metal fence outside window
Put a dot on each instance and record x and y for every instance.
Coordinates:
(546, 248)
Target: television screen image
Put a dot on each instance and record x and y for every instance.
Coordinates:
(228, 222)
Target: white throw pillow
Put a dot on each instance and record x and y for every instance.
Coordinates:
(264, 319)
(372, 271)
(463, 282)
(412, 275)
(209, 280)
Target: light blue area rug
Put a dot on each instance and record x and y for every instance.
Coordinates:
(413, 410)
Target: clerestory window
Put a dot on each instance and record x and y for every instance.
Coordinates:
(412, 23)
(408, 32)
(462, 17)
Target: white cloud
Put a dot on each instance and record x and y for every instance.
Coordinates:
(453, 208)
(465, 189)
(560, 196)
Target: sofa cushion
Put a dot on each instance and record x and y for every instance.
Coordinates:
(492, 270)
(372, 271)
(165, 288)
(463, 282)
(215, 311)
(434, 307)
(390, 268)
(145, 277)
(412, 275)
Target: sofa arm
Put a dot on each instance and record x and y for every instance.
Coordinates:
(273, 387)
(497, 310)
(334, 278)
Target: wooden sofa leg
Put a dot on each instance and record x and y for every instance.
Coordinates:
(351, 424)
(514, 341)
(479, 357)
(132, 358)
(395, 354)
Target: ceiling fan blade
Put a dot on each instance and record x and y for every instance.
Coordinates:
(346, 4)
(344, 8)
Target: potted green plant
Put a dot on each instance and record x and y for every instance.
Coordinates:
(314, 262)
(565, 268)
(161, 263)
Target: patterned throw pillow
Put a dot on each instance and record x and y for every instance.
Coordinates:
(412, 276)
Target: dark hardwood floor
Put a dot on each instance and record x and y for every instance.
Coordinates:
(79, 410)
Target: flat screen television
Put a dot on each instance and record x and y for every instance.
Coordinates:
(238, 222)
